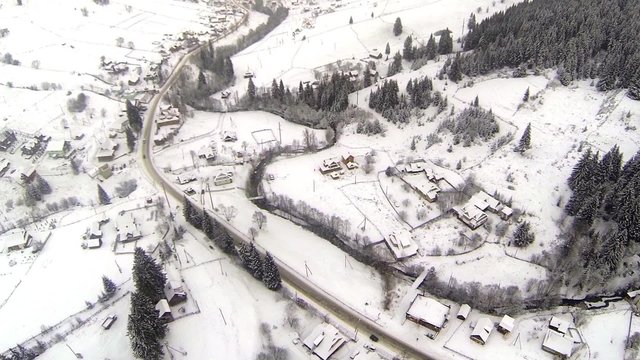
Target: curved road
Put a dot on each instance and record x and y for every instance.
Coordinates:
(294, 279)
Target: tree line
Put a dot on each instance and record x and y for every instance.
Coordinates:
(584, 38)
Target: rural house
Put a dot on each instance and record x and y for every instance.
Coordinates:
(464, 311)
(126, 227)
(470, 215)
(16, 239)
(330, 165)
(174, 292)
(401, 244)
(324, 340)
(428, 312)
(482, 330)
(555, 343)
(57, 148)
(164, 311)
(506, 325)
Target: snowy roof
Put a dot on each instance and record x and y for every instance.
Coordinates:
(162, 307)
(415, 167)
(94, 243)
(126, 227)
(472, 212)
(464, 311)
(401, 244)
(94, 230)
(559, 324)
(15, 237)
(507, 323)
(56, 146)
(630, 294)
(429, 310)
(324, 340)
(483, 329)
(507, 211)
(556, 343)
(4, 163)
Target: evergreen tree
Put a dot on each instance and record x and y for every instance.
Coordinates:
(525, 98)
(350, 20)
(43, 186)
(281, 90)
(445, 45)
(455, 73)
(251, 90)
(103, 197)
(525, 140)
(367, 77)
(407, 51)
(589, 210)
(471, 23)
(275, 91)
(395, 66)
(579, 170)
(109, 289)
(397, 27)
(387, 50)
(522, 236)
(33, 192)
(611, 164)
(270, 274)
(133, 115)
(431, 50)
(634, 86)
(476, 102)
(131, 139)
(148, 276)
(227, 245)
(202, 81)
(75, 166)
(144, 328)
(251, 260)
(612, 249)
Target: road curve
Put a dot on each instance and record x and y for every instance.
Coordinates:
(289, 276)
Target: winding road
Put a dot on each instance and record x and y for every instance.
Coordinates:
(290, 277)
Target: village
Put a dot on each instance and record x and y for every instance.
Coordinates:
(404, 229)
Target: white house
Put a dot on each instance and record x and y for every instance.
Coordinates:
(428, 312)
(470, 215)
(324, 340)
(223, 179)
(506, 325)
(401, 244)
(16, 239)
(126, 227)
(464, 311)
(559, 324)
(482, 330)
(557, 344)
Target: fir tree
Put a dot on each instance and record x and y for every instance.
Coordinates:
(525, 98)
(227, 245)
(455, 73)
(471, 23)
(612, 250)
(274, 89)
(251, 260)
(202, 81)
(611, 164)
(43, 186)
(395, 66)
(350, 20)
(251, 90)
(431, 50)
(634, 86)
(397, 27)
(407, 51)
(445, 45)
(148, 276)
(144, 328)
(270, 273)
(109, 289)
(131, 139)
(525, 140)
(133, 115)
(387, 50)
(103, 197)
(476, 102)
(281, 90)
(579, 170)
(522, 236)
(588, 211)
(367, 76)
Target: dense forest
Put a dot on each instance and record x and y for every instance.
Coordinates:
(585, 39)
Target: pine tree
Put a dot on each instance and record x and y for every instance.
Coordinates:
(634, 86)
(270, 274)
(476, 102)
(148, 276)
(367, 76)
(202, 81)
(109, 289)
(131, 139)
(251, 260)
(455, 73)
(407, 51)
(612, 250)
(43, 186)
(227, 245)
(431, 50)
(522, 236)
(187, 209)
(471, 24)
(133, 115)
(350, 20)
(525, 140)
(387, 50)
(525, 98)
(251, 90)
(397, 27)
(579, 170)
(103, 198)
(395, 66)
(445, 45)
(611, 164)
(281, 90)
(144, 328)
(33, 192)
(589, 210)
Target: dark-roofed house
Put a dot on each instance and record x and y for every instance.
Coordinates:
(7, 138)
(174, 291)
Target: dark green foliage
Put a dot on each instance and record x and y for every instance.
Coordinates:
(350, 19)
(202, 81)
(584, 38)
(42, 185)
(144, 328)
(367, 76)
(611, 164)
(131, 139)
(133, 115)
(148, 276)
(471, 23)
(407, 50)
(103, 198)
(192, 214)
(525, 140)
(270, 273)
(455, 73)
(109, 289)
(470, 124)
(522, 236)
(445, 44)
(397, 27)
(429, 51)
(251, 90)
(251, 260)
(387, 50)
(525, 98)
(78, 104)
(227, 245)
(396, 65)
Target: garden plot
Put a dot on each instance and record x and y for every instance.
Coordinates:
(408, 204)
(447, 236)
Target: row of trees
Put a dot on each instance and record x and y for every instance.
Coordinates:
(144, 328)
(430, 50)
(471, 123)
(585, 39)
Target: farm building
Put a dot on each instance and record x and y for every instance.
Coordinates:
(555, 343)
(482, 330)
(229, 136)
(324, 340)
(174, 292)
(413, 168)
(375, 54)
(506, 325)
(94, 231)
(428, 312)
(484, 202)
(401, 244)
(208, 152)
(7, 138)
(164, 311)
(330, 165)
(349, 161)
(107, 151)
(464, 311)
(223, 179)
(104, 171)
(94, 243)
(57, 148)
(126, 227)
(559, 324)
(16, 239)
(470, 215)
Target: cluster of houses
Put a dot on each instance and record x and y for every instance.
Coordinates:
(34, 146)
(114, 67)
(334, 166)
(167, 124)
(107, 151)
(175, 294)
(127, 228)
(428, 190)
(208, 152)
(324, 340)
(94, 234)
(473, 212)
(15, 239)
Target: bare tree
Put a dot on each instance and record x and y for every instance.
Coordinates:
(259, 219)
(229, 212)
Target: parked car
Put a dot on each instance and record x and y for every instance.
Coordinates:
(373, 338)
